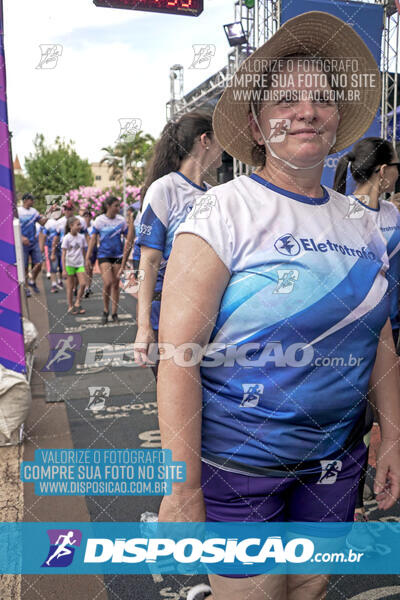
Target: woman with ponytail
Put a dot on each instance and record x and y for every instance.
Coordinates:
(107, 233)
(185, 151)
(375, 168)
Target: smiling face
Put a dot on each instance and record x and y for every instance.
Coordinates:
(299, 117)
(75, 227)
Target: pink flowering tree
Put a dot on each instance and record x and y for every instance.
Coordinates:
(92, 198)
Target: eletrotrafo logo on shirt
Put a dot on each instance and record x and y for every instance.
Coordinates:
(288, 245)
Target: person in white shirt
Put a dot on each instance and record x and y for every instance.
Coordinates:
(375, 167)
(73, 259)
(266, 287)
(185, 151)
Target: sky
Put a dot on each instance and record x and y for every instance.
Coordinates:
(114, 64)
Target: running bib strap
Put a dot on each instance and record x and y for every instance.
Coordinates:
(286, 375)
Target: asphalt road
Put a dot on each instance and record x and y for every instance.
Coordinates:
(129, 420)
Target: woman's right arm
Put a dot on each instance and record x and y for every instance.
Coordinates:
(92, 243)
(128, 244)
(150, 259)
(195, 281)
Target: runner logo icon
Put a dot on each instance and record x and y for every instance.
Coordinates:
(97, 398)
(286, 280)
(330, 469)
(62, 351)
(251, 394)
(287, 245)
(62, 547)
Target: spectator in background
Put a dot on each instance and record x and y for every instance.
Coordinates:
(375, 167)
(107, 231)
(28, 217)
(50, 232)
(185, 151)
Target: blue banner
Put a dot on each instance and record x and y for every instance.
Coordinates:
(66, 472)
(367, 21)
(196, 548)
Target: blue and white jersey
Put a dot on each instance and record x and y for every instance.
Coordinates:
(110, 232)
(166, 204)
(28, 217)
(286, 373)
(50, 231)
(387, 218)
(136, 247)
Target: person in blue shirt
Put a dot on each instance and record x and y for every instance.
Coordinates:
(108, 230)
(275, 320)
(186, 150)
(50, 232)
(374, 165)
(28, 217)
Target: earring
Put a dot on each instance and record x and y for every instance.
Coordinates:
(207, 147)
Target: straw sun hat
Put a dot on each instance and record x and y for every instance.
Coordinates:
(314, 34)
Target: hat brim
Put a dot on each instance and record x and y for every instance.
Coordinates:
(314, 34)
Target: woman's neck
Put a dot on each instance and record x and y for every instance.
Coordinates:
(370, 192)
(305, 182)
(193, 170)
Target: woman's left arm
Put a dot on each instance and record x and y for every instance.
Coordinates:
(384, 394)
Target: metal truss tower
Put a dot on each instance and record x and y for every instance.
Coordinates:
(390, 68)
(260, 20)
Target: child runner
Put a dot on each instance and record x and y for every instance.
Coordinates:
(73, 260)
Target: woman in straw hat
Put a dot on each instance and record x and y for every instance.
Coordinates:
(289, 291)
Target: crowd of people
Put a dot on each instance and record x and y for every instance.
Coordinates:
(259, 434)
(68, 242)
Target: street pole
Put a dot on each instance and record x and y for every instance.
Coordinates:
(124, 185)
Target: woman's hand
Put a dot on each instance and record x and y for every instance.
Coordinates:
(387, 478)
(25, 241)
(64, 274)
(87, 265)
(144, 337)
(183, 505)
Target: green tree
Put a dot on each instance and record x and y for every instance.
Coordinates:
(54, 170)
(22, 185)
(137, 152)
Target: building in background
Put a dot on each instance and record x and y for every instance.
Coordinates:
(17, 166)
(102, 175)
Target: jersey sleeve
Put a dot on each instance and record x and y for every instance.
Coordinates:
(393, 273)
(65, 243)
(208, 221)
(95, 227)
(154, 222)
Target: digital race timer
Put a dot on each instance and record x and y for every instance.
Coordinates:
(190, 8)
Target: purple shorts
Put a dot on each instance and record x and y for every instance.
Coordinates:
(326, 496)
